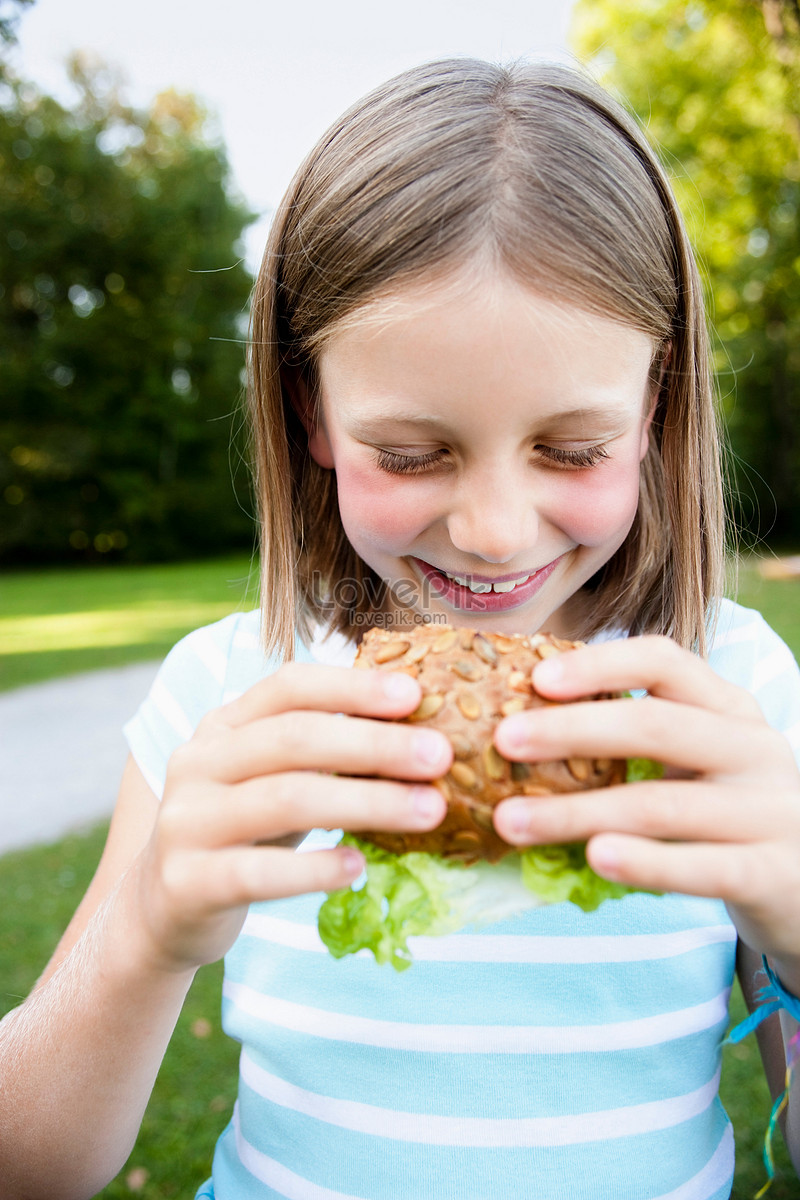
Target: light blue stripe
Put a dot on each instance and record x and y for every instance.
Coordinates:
(497, 1085)
(487, 993)
(632, 1168)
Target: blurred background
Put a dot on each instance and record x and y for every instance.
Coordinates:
(143, 149)
(142, 156)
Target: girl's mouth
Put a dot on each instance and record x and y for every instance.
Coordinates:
(473, 595)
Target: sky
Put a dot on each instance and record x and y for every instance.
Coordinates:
(275, 74)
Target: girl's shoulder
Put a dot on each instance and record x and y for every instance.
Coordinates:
(209, 667)
(747, 651)
(740, 638)
(217, 662)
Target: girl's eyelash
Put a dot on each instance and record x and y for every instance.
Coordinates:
(587, 457)
(407, 464)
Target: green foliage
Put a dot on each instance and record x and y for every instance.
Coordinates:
(10, 12)
(122, 299)
(718, 86)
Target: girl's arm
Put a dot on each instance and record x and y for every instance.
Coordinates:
(78, 1059)
(66, 1124)
(724, 822)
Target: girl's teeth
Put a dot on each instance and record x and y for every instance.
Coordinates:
(482, 588)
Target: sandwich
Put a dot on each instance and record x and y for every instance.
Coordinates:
(462, 873)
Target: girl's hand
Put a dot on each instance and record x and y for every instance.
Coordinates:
(725, 820)
(260, 771)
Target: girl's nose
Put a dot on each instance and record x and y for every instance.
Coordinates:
(495, 520)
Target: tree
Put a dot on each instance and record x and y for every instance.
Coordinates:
(10, 12)
(717, 82)
(122, 302)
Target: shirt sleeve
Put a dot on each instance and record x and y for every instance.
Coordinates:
(749, 653)
(192, 680)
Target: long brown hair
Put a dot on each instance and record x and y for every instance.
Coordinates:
(537, 167)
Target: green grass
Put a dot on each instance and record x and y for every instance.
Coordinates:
(777, 599)
(196, 1087)
(59, 622)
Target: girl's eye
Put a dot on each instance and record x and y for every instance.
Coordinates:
(590, 456)
(407, 464)
(410, 464)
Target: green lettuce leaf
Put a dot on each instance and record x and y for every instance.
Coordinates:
(561, 873)
(643, 768)
(409, 895)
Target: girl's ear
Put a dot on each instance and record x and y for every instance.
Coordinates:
(310, 414)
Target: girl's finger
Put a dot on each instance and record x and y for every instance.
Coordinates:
(653, 664)
(319, 741)
(696, 739)
(230, 878)
(673, 810)
(261, 810)
(696, 869)
(328, 689)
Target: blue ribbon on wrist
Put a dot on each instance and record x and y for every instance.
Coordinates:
(771, 998)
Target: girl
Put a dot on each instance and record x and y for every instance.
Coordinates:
(480, 392)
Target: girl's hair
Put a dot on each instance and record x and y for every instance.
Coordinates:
(537, 170)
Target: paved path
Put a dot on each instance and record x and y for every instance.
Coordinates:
(62, 752)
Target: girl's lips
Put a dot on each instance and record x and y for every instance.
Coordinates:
(460, 597)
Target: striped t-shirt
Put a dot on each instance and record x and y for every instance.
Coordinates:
(560, 1054)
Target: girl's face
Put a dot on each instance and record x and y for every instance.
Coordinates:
(487, 445)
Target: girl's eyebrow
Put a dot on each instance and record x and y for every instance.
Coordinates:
(379, 422)
(608, 416)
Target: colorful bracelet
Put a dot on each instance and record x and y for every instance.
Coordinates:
(770, 999)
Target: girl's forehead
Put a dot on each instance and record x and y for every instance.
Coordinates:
(494, 292)
(465, 328)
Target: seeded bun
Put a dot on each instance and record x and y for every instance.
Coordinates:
(470, 681)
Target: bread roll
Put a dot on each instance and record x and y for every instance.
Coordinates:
(470, 681)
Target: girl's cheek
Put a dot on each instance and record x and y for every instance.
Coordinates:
(595, 505)
(380, 509)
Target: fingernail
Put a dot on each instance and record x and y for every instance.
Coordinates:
(606, 859)
(352, 861)
(514, 732)
(515, 817)
(426, 801)
(549, 670)
(429, 747)
(399, 687)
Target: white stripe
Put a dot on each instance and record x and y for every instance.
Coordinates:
(243, 640)
(486, 947)
(478, 1039)
(170, 710)
(212, 658)
(736, 634)
(433, 1130)
(334, 651)
(768, 669)
(717, 1171)
(277, 1176)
